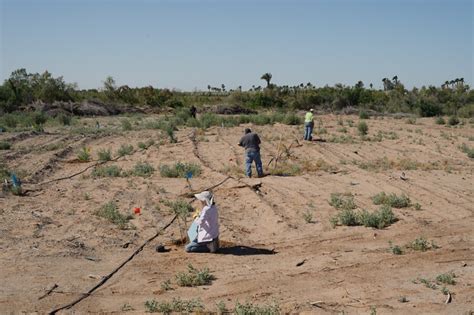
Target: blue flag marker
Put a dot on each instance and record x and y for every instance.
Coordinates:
(15, 181)
(189, 175)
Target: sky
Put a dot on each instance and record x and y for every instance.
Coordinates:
(188, 44)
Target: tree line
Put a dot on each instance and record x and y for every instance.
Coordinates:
(453, 97)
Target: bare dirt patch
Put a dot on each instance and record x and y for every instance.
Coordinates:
(278, 242)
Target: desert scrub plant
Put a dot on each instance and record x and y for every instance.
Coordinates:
(440, 121)
(126, 125)
(64, 119)
(395, 249)
(251, 309)
(363, 115)
(84, 155)
(420, 244)
(4, 145)
(104, 155)
(466, 149)
(107, 171)
(453, 121)
(411, 121)
(180, 169)
(194, 277)
(146, 145)
(392, 200)
(110, 212)
(378, 219)
(285, 169)
(428, 283)
(176, 305)
(363, 128)
(446, 278)
(342, 201)
(143, 169)
(308, 216)
(166, 285)
(125, 149)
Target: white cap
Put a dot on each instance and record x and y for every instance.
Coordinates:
(205, 196)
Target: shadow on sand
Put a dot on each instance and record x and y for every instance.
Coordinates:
(245, 251)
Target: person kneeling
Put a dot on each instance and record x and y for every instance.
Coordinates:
(204, 231)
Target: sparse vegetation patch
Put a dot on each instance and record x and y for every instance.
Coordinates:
(110, 212)
(180, 169)
(392, 200)
(194, 277)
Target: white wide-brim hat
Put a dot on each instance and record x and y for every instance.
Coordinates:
(205, 196)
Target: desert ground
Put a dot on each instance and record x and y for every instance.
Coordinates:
(278, 243)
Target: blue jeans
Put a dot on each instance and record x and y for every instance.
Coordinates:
(251, 156)
(308, 130)
(195, 247)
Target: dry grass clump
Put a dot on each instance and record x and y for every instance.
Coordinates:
(285, 169)
(176, 305)
(384, 164)
(392, 200)
(378, 219)
(180, 169)
(107, 171)
(344, 201)
(110, 212)
(194, 277)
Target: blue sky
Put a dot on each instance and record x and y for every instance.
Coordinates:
(188, 44)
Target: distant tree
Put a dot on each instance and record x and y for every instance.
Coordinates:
(240, 88)
(359, 85)
(209, 87)
(223, 87)
(371, 85)
(395, 79)
(267, 77)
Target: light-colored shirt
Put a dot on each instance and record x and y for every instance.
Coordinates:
(308, 117)
(208, 224)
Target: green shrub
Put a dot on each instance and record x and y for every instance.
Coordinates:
(420, 244)
(143, 169)
(446, 278)
(348, 217)
(363, 115)
(440, 120)
(292, 119)
(251, 309)
(104, 155)
(378, 219)
(84, 155)
(175, 306)
(110, 212)
(342, 201)
(392, 200)
(180, 208)
(126, 125)
(4, 145)
(107, 171)
(363, 128)
(180, 170)
(125, 149)
(469, 151)
(39, 118)
(453, 120)
(64, 119)
(194, 277)
(146, 145)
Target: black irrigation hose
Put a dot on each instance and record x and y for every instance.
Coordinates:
(106, 278)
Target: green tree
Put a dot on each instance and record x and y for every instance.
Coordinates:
(267, 77)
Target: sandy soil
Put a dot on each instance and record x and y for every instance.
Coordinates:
(51, 235)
